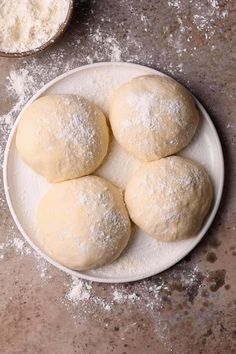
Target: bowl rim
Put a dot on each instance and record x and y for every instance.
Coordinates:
(61, 30)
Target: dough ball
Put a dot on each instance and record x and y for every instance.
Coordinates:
(62, 137)
(153, 117)
(83, 223)
(169, 198)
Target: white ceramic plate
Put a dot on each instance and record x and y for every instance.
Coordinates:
(144, 256)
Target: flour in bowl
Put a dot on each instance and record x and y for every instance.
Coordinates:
(28, 24)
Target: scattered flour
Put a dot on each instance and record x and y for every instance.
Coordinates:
(43, 267)
(109, 45)
(204, 17)
(79, 291)
(19, 244)
(147, 295)
(16, 243)
(20, 84)
(121, 297)
(81, 296)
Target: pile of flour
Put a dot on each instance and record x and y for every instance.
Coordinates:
(28, 24)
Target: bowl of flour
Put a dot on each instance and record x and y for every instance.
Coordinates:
(29, 26)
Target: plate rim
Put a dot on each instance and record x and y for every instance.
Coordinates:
(130, 278)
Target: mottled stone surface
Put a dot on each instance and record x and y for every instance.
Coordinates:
(190, 308)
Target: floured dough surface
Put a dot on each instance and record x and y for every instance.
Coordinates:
(169, 198)
(62, 137)
(153, 117)
(83, 223)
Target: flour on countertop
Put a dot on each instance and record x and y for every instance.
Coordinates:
(148, 295)
(108, 43)
(16, 243)
(27, 25)
(19, 85)
(203, 17)
(81, 296)
(24, 82)
(121, 297)
(43, 267)
(78, 291)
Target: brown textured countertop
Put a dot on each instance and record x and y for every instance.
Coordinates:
(190, 308)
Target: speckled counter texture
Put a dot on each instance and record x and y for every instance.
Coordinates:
(190, 308)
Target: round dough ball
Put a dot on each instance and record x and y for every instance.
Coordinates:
(83, 223)
(62, 137)
(153, 116)
(169, 198)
